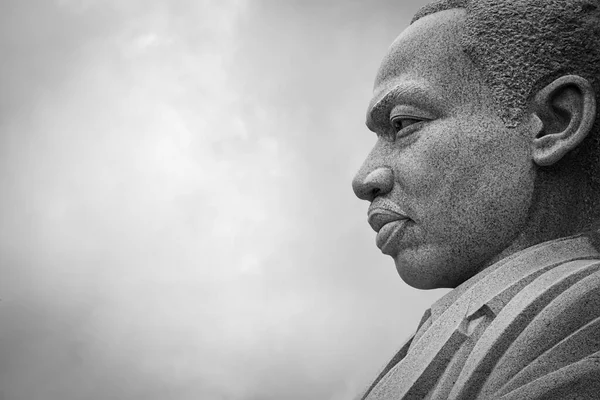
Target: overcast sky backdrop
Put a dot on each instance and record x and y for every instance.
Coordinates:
(177, 220)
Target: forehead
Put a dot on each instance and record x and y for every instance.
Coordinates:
(427, 61)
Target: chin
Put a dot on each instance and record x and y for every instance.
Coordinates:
(413, 276)
(423, 275)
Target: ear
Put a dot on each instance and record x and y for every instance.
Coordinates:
(566, 109)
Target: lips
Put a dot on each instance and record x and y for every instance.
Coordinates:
(389, 237)
(380, 217)
(389, 226)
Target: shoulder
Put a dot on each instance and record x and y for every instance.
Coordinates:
(545, 341)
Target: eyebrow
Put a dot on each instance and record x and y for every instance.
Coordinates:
(409, 94)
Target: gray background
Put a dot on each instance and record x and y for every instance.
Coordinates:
(177, 220)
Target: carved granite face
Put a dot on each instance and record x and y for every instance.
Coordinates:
(449, 184)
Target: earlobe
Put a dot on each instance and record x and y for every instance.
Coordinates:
(567, 111)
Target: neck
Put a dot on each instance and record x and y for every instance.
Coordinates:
(558, 210)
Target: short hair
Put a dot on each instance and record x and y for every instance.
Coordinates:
(521, 46)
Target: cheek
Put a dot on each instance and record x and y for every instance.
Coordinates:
(462, 186)
(428, 166)
(432, 174)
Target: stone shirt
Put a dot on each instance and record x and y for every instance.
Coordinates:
(527, 327)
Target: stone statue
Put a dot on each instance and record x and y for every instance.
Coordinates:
(485, 178)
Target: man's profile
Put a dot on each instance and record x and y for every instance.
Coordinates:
(485, 178)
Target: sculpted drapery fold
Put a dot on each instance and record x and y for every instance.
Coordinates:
(506, 333)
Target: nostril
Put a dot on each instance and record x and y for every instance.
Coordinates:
(377, 183)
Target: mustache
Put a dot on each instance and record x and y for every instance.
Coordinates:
(386, 205)
(383, 211)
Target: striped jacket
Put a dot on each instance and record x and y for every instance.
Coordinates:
(527, 327)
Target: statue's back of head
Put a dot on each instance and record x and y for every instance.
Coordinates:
(523, 45)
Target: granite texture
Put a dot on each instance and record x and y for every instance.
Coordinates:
(530, 318)
(483, 178)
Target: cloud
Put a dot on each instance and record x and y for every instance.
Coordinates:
(177, 213)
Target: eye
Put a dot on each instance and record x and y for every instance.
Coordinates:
(400, 123)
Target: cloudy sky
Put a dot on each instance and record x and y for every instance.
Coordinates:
(177, 220)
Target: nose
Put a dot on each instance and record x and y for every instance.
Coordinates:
(368, 185)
